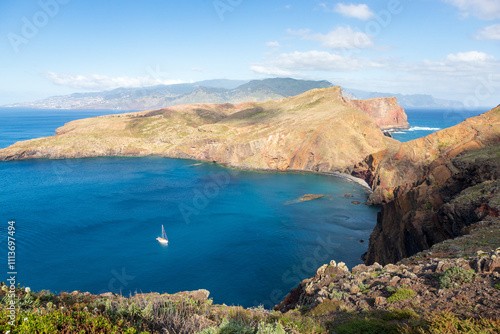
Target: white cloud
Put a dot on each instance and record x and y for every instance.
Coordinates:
(270, 70)
(273, 44)
(360, 11)
(103, 82)
(294, 62)
(470, 77)
(482, 9)
(470, 56)
(340, 38)
(489, 32)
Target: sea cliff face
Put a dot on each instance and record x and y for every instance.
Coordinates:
(315, 131)
(386, 112)
(432, 188)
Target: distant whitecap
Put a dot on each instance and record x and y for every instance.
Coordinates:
(423, 128)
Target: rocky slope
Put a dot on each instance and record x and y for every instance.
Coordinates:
(315, 131)
(423, 283)
(433, 187)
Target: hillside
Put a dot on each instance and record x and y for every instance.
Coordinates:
(316, 131)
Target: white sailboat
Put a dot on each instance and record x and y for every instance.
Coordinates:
(163, 239)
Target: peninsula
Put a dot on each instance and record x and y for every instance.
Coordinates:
(319, 131)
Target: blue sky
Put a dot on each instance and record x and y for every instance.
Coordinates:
(447, 48)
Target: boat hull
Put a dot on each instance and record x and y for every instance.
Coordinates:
(162, 241)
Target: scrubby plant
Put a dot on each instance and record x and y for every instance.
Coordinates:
(367, 326)
(294, 322)
(338, 295)
(497, 285)
(326, 307)
(453, 276)
(406, 313)
(448, 323)
(401, 294)
(270, 328)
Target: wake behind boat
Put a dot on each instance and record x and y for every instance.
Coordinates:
(163, 239)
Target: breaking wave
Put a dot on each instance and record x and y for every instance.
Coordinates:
(423, 128)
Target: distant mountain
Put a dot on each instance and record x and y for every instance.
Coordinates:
(406, 101)
(157, 97)
(215, 91)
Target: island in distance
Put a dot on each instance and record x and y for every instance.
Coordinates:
(215, 91)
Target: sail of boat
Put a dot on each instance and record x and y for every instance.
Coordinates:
(163, 239)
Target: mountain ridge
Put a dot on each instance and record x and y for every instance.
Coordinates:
(214, 91)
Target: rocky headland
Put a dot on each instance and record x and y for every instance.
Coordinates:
(319, 131)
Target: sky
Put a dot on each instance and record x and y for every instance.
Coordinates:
(447, 48)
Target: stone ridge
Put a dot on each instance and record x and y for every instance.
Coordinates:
(424, 187)
(315, 131)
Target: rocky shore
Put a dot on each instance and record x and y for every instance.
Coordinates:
(464, 282)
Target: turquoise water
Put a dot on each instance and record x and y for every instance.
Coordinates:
(91, 224)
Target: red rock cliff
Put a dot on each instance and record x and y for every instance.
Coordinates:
(385, 110)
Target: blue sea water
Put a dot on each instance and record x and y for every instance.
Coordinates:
(91, 224)
(423, 122)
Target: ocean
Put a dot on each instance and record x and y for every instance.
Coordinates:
(91, 224)
(423, 122)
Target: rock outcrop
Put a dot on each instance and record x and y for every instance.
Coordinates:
(433, 187)
(386, 112)
(315, 131)
(425, 283)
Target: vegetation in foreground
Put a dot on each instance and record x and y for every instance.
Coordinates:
(44, 312)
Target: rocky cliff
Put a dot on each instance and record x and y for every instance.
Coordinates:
(315, 131)
(386, 112)
(457, 276)
(432, 188)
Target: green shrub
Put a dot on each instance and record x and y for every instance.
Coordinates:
(401, 294)
(270, 328)
(338, 295)
(367, 326)
(229, 328)
(453, 276)
(497, 285)
(406, 313)
(326, 307)
(300, 324)
(448, 323)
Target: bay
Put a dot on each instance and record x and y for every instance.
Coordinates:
(91, 224)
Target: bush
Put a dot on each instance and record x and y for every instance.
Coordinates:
(401, 294)
(455, 275)
(270, 328)
(403, 314)
(448, 323)
(497, 285)
(367, 326)
(326, 307)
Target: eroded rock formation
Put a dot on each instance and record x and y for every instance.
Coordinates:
(386, 112)
(433, 187)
